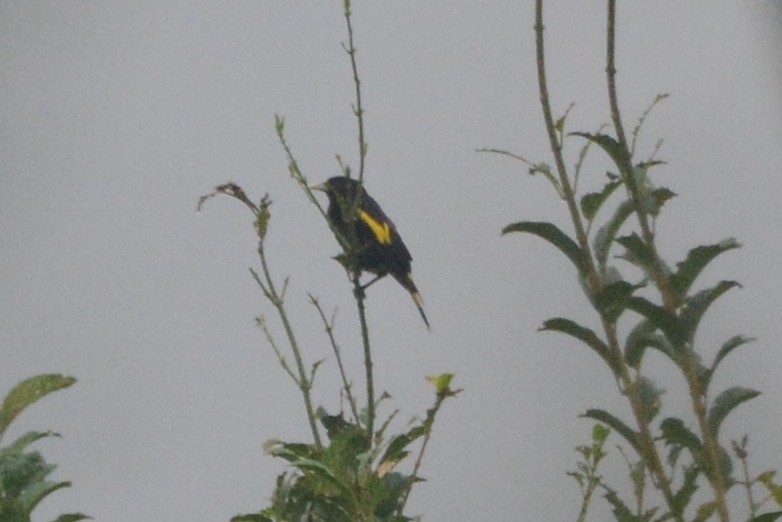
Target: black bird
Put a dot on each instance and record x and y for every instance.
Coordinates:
(378, 246)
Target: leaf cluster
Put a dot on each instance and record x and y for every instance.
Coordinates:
(606, 244)
(23, 471)
(352, 478)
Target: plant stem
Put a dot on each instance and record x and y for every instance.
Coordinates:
(556, 149)
(304, 383)
(358, 291)
(689, 366)
(329, 326)
(358, 109)
(658, 274)
(428, 424)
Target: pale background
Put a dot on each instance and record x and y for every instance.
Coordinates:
(117, 116)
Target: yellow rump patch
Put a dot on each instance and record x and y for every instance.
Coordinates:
(381, 230)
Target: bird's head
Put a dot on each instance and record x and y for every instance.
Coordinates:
(340, 187)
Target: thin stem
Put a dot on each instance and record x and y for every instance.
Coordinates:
(358, 292)
(358, 109)
(556, 148)
(428, 425)
(304, 383)
(329, 326)
(261, 214)
(658, 274)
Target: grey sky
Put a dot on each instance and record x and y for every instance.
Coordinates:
(117, 116)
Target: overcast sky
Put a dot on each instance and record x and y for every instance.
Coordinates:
(117, 116)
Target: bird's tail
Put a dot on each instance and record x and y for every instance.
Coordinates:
(406, 280)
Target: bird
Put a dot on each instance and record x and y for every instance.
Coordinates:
(378, 247)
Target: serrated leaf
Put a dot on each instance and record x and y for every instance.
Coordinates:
(725, 402)
(607, 233)
(556, 237)
(617, 425)
(697, 259)
(592, 202)
(620, 510)
(27, 392)
(583, 334)
(697, 305)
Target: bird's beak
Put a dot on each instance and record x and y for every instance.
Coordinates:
(320, 186)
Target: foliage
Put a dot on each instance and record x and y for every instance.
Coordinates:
(632, 289)
(24, 472)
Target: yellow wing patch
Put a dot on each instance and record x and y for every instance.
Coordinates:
(381, 230)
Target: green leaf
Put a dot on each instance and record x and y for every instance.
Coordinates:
(659, 197)
(617, 425)
(767, 479)
(35, 493)
(683, 496)
(667, 322)
(613, 298)
(644, 335)
(620, 510)
(20, 471)
(649, 394)
(592, 202)
(705, 510)
(583, 334)
(607, 233)
(637, 252)
(610, 146)
(397, 448)
(28, 438)
(72, 517)
(251, 518)
(729, 345)
(697, 305)
(725, 402)
(675, 433)
(440, 382)
(697, 259)
(556, 237)
(27, 392)
(767, 517)
(545, 169)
